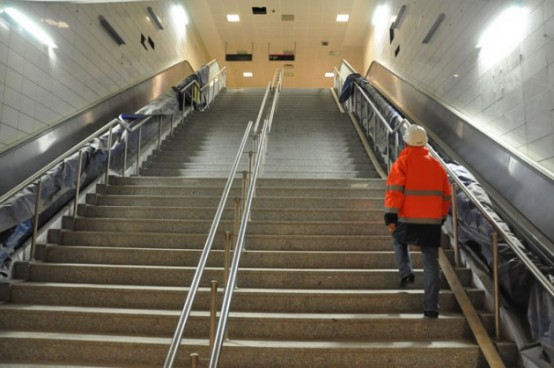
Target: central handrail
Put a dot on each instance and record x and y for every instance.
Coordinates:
(234, 267)
(260, 113)
(175, 342)
(229, 288)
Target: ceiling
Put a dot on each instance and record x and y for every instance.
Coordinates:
(318, 42)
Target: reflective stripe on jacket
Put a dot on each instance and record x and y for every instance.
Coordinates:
(417, 188)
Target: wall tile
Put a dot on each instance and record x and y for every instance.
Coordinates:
(536, 84)
(533, 63)
(10, 116)
(539, 127)
(542, 149)
(8, 134)
(538, 106)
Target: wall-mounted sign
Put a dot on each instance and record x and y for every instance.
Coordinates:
(238, 57)
(281, 57)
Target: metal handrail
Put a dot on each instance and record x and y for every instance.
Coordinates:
(175, 342)
(260, 113)
(62, 157)
(533, 269)
(232, 278)
(211, 83)
(37, 177)
(233, 271)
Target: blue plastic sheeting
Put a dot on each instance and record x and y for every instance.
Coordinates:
(374, 128)
(58, 184)
(521, 293)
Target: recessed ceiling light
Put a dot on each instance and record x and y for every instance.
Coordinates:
(233, 18)
(329, 75)
(247, 74)
(343, 17)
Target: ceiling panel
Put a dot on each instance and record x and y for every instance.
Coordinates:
(314, 22)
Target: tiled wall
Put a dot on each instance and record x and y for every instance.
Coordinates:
(41, 87)
(512, 100)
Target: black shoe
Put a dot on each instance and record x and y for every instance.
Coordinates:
(407, 280)
(431, 314)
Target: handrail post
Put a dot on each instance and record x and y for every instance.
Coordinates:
(454, 205)
(194, 360)
(126, 140)
(109, 156)
(35, 219)
(138, 152)
(237, 219)
(172, 122)
(160, 131)
(213, 312)
(250, 155)
(77, 183)
(227, 257)
(244, 187)
(496, 286)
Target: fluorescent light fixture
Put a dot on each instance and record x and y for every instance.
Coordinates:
(233, 18)
(180, 19)
(247, 74)
(343, 17)
(154, 17)
(30, 27)
(329, 75)
(503, 35)
(381, 15)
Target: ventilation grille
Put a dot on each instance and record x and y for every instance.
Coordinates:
(287, 17)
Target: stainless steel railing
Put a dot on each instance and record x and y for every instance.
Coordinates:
(230, 275)
(239, 247)
(456, 183)
(187, 308)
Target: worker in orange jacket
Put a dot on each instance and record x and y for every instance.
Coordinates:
(417, 201)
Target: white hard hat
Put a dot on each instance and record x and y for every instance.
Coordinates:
(415, 136)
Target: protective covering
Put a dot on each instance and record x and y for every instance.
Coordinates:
(521, 294)
(58, 184)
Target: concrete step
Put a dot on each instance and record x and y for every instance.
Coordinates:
(204, 213)
(151, 351)
(261, 183)
(189, 173)
(290, 193)
(275, 326)
(196, 241)
(244, 299)
(250, 258)
(203, 226)
(287, 278)
(258, 202)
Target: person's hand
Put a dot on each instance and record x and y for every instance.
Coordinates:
(391, 227)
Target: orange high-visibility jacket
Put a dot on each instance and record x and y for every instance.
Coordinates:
(417, 188)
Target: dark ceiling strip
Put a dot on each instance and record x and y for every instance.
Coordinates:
(434, 28)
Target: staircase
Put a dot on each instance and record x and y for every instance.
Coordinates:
(317, 287)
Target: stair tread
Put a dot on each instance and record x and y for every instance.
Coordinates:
(243, 343)
(329, 317)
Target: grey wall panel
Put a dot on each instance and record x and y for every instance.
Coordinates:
(520, 187)
(22, 161)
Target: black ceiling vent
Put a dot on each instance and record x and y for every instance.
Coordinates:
(259, 10)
